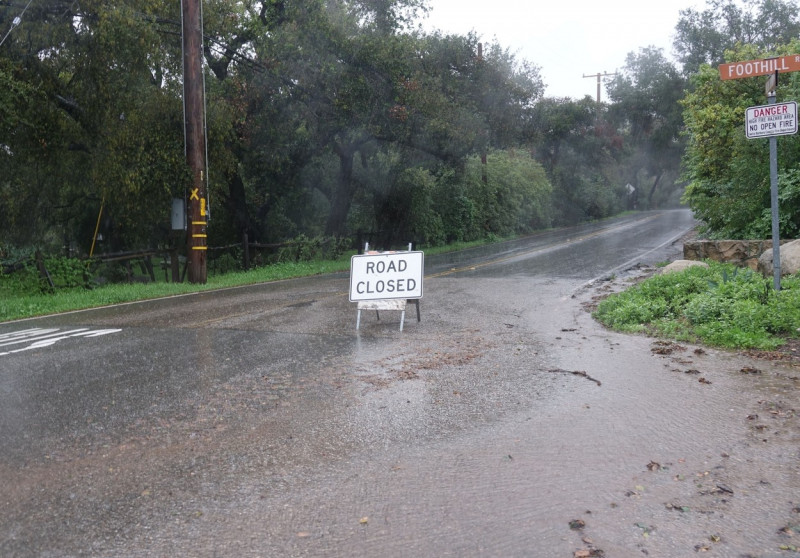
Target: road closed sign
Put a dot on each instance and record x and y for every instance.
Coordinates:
(386, 275)
(779, 119)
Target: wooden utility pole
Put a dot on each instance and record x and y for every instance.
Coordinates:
(194, 128)
(599, 75)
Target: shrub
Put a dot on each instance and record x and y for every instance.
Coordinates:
(720, 305)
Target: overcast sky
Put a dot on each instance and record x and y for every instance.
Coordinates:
(566, 39)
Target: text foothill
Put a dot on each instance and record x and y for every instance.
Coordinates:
(753, 68)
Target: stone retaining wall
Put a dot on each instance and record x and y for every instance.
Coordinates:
(743, 253)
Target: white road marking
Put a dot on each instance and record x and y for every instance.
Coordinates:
(37, 338)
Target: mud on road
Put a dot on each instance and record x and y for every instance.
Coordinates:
(506, 423)
(747, 493)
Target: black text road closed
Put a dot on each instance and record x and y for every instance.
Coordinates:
(386, 275)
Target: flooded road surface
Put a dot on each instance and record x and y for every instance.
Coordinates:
(259, 422)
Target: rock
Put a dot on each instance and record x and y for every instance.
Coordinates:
(680, 265)
(742, 253)
(790, 259)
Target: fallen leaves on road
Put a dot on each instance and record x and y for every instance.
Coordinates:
(677, 507)
(576, 524)
(646, 529)
(750, 370)
(588, 553)
(706, 547)
(789, 530)
(665, 347)
(724, 488)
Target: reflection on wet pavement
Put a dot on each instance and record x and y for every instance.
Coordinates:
(505, 423)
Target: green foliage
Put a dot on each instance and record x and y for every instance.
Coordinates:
(21, 275)
(578, 150)
(703, 37)
(226, 263)
(323, 118)
(789, 204)
(720, 305)
(68, 273)
(728, 174)
(97, 120)
(660, 297)
(510, 193)
(408, 208)
(646, 96)
(631, 315)
(305, 249)
(457, 210)
(23, 280)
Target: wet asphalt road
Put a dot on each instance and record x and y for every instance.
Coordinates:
(258, 422)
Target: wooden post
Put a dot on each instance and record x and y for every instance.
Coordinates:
(194, 125)
(246, 250)
(599, 75)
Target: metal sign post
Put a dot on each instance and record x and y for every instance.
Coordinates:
(773, 188)
(770, 121)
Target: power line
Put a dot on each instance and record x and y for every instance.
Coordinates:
(15, 22)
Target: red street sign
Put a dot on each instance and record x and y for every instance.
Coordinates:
(753, 68)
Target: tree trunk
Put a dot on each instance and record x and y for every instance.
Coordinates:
(653, 191)
(343, 195)
(237, 205)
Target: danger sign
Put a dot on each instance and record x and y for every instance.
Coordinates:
(779, 119)
(386, 275)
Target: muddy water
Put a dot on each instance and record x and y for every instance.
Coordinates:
(503, 427)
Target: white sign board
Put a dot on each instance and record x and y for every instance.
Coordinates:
(386, 275)
(766, 121)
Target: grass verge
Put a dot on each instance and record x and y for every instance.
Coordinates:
(721, 306)
(15, 306)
